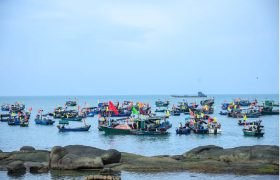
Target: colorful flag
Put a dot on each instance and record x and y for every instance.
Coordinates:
(135, 111)
(113, 108)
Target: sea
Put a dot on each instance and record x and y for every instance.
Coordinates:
(45, 137)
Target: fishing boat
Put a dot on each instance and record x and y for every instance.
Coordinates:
(69, 118)
(44, 121)
(184, 130)
(214, 128)
(208, 102)
(199, 128)
(5, 107)
(253, 131)
(200, 95)
(162, 103)
(159, 110)
(240, 113)
(255, 122)
(120, 129)
(121, 113)
(13, 121)
(4, 117)
(175, 113)
(71, 103)
(223, 113)
(267, 110)
(65, 128)
(145, 132)
(271, 103)
(24, 123)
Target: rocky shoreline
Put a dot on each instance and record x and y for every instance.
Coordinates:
(259, 159)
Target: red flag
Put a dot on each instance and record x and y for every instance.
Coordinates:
(132, 126)
(18, 113)
(85, 103)
(8, 104)
(209, 120)
(265, 98)
(65, 104)
(225, 100)
(113, 108)
(166, 107)
(39, 111)
(245, 124)
(31, 108)
(165, 99)
(54, 110)
(16, 102)
(126, 120)
(25, 117)
(158, 107)
(99, 116)
(158, 99)
(191, 122)
(237, 117)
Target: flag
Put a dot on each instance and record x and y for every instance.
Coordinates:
(58, 105)
(65, 104)
(13, 114)
(202, 114)
(126, 120)
(99, 116)
(197, 115)
(85, 103)
(135, 111)
(85, 120)
(74, 107)
(215, 119)
(193, 120)
(209, 120)
(167, 114)
(113, 108)
(67, 115)
(245, 124)
(39, 111)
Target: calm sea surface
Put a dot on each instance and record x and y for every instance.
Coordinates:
(45, 137)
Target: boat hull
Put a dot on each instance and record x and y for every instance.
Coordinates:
(252, 133)
(85, 128)
(44, 122)
(73, 119)
(139, 132)
(109, 130)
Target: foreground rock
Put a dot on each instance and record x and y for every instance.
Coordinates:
(240, 160)
(258, 159)
(82, 157)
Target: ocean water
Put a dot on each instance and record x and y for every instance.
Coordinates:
(45, 137)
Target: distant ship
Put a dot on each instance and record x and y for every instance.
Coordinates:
(200, 94)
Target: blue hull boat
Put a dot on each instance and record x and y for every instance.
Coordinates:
(84, 128)
(250, 123)
(223, 113)
(201, 131)
(73, 119)
(13, 122)
(5, 109)
(44, 122)
(183, 131)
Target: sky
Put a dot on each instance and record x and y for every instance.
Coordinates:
(121, 47)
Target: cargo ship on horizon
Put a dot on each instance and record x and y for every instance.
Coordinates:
(200, 95)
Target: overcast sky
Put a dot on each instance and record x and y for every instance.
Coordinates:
(88, 47)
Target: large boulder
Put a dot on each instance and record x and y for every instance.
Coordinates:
(35, 167)
(203, 152)
(16, 167)
(27, 149)
(264, 153)
(76, 157)
(111, 156)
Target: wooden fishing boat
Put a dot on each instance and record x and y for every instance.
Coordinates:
(184, 130)
(256, 122)
(162, 103)
(198, 128)
(214, 128)
(4, 117)
(144, 132)
(13, 121)
(253, 131)
(223, 113)
(71, 103)
(63, 128)
(44, 121)
(208, 102)
(267, 110)
(5, 108)
(24, 123)
(159, 110)
(120, 129)
(77, 118)
(271, 103)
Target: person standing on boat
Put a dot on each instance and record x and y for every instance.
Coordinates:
(180, 125)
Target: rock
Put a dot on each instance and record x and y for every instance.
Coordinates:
(100, 177)
(201, 151)
(1, 151)
(177, 157)
(35, 167)
(129, 156)
(27, 149)
(106, 171)
(111, 156)
(264, 153)
(16, 167)
(76, 157)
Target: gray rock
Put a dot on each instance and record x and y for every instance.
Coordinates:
(76, 157)
(16, 167)
(27, 148)
(177, 157)
(265, 153)
(35, 167)
(106, 171)
(111, 156)
(202, 151)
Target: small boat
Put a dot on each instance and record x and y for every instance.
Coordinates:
(198, 128)
(162, 103)
(214, 128)
(223, 113)
(71, 103)
(271, 103)
(253, 131)
(45, 121)
(184, 130)
(77, 118)
(5, 107)
(145, 132)
(159, 110)
(64, 128)
(13, 121)
(4, 117)
(208, 102)
(256, 122)
(120, 129)
(24, 123)
(267, 110)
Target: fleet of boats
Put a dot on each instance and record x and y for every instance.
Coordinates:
(137, 118)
